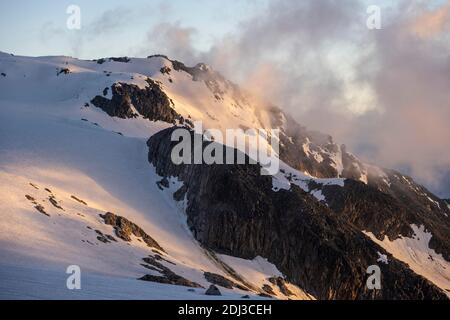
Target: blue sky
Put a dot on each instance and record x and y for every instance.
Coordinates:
(32, 27)
(39, 27)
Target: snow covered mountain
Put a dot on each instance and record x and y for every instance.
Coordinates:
(86, 180)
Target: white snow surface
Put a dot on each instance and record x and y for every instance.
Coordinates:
(417, 254)
(258, 271)
(44, 143)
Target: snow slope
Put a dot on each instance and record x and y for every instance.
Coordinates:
(50, 140)
(52, 137)
(417, 254)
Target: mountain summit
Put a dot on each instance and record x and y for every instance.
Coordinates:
(87, 180)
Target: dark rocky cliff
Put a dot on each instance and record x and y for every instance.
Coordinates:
(384, 215)
(233, 210)
(151, 102)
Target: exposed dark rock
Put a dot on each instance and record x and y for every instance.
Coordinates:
(79, 200)
(103, 239)
(159, 279)
(110, 237)
(233, 210)
(3, 74)
(150, 267)
(119, 59)
(180, 193)
(164, 183)
(170, 279)
(62, 71)
(105, 91)
(30, 198)
(160, 258)
(219, 280)
(165, 70)
(168, 276)
(55, 203)
(34, 186)
(213, 291)
(268, 289)
(278, 281)
(384, 215)
(230, 271)
(216, 83)
(48, 190)
(151, 102)
(245, 297)
(125, 228)
(293, 153)
(415, 204)
(41, 209)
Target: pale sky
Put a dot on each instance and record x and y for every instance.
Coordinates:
(112, 27)
(385, 93)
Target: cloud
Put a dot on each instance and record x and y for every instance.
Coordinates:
(431, 22)
(100, 33)
(174, 40)
(110, 21)
(412, 85)
(385, 93)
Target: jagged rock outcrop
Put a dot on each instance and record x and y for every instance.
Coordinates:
(213, 291)
(124, 228)
(219, 280)
(130, 101)
(115, 59)
(382, 201)
(281, 284)
(233, 210)
(383, 215)
(167, 277)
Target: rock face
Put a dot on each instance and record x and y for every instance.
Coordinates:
(168, 276)
(219, 280)
(268, 290)
(278, 281)
(130, 101)
(125, 228)
(213, 291)
(384, 215)
(407, 202)
(233, 210)
(118, 59)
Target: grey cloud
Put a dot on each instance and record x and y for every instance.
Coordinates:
(284, 54)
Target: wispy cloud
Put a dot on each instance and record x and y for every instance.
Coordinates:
(384, 92)
(430, 23)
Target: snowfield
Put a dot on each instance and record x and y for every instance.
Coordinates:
(55, 150)
(417, 254)
(64, 162)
